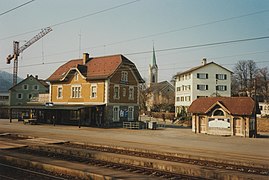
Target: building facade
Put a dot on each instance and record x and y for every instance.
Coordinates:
(160, 96)
(100, 91)
(227, 116)
(21, 94)
(209, 79)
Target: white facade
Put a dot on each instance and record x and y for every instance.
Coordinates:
(203, 81)
(264, 108)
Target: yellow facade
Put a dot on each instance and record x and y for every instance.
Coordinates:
(78, 90)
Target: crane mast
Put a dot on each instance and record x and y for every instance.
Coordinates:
(17, 50)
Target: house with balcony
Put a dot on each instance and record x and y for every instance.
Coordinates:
(206, 80)
(95, 91)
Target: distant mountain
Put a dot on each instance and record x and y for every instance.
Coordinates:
(6, 81)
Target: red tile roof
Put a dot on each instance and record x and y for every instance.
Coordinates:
(235, 105)
(96, 68)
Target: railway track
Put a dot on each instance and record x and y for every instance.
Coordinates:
(225, 166)
(11, 171)
(86, 154)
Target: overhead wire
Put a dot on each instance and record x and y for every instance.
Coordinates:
(3, 13)
(172, 49)
(74, 19)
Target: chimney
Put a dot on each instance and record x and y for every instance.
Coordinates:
(28, 75)
(36, 76)
(204, 61)
(85, 58)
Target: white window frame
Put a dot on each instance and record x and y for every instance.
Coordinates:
(130, 113)
(36, 87)
(221, 88)
(94, 93)
(116, 113)
(25, 85)
(18, 96)
(202, 87)
(131, 93)
(202, 75)
(116, 94)
(124, 92)
(76, 91)
(30, 95)
(76, 76)
(124, 76)
(61, 93)
(221, 76)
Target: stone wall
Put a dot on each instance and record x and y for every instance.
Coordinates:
(263, 125)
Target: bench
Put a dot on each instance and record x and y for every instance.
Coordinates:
(30, 121)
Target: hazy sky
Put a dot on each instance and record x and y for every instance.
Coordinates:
(109, 27)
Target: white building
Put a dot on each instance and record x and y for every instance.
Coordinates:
(264, 108)
(208, 79)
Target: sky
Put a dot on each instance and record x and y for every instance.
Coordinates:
(131, 28)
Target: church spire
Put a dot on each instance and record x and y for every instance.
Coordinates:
(153, 62)
(153, 69)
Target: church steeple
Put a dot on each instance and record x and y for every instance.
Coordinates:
(153, 69)
(153, 61)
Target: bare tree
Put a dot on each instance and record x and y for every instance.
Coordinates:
(244, 74)
(263, 83)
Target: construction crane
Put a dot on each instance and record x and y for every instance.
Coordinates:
(17, 50)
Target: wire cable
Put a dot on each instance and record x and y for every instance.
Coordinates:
(1, 14)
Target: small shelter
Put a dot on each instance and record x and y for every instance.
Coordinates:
(233, 116)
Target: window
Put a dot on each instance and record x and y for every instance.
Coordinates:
(76, 92)
(74, 115)
(116, 113)
(94, 91)
(60, 92)
(130, 113)
(116, 92)
(19, 96)
(221, 88)
(76, 76)
(178, 98)
(30, 96)
(25, 86)
(218, 113)
(187, 98)
(124, 92)
(202, 75)
(221, 76)
(124, 76)
(178, 88)
(182, 98)
(131, 92)
(201, 96)
(35, 87)
(202, 87)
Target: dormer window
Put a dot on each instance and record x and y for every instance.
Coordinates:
(124, 76)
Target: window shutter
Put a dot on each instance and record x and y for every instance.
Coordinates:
(198, 86)
(225, 76)
(217, 76)
(206, 87)
(206, 76)
(198, 75)
(225, 88)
